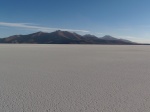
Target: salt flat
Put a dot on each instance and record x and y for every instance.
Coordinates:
(74, 78)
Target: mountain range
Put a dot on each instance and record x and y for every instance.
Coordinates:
(64, 37)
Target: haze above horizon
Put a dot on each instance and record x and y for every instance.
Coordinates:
(128, 19)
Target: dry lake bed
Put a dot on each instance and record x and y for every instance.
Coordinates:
(74, 78)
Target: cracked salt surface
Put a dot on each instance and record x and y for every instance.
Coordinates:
(74, 78)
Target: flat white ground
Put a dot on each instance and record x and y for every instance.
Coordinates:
(74, 78)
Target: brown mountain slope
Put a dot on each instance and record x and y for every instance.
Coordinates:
(63, 37)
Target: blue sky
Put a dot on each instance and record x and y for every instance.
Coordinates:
(128, 19)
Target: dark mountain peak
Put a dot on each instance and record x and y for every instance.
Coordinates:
(67, 34)
(89, 35)
(108, 37)
(40, 33)
(60, 31)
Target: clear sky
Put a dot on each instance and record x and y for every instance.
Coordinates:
(128, 19)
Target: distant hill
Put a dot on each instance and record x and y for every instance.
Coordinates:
(64, 37)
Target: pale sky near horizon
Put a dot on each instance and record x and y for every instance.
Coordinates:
(128, 19)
